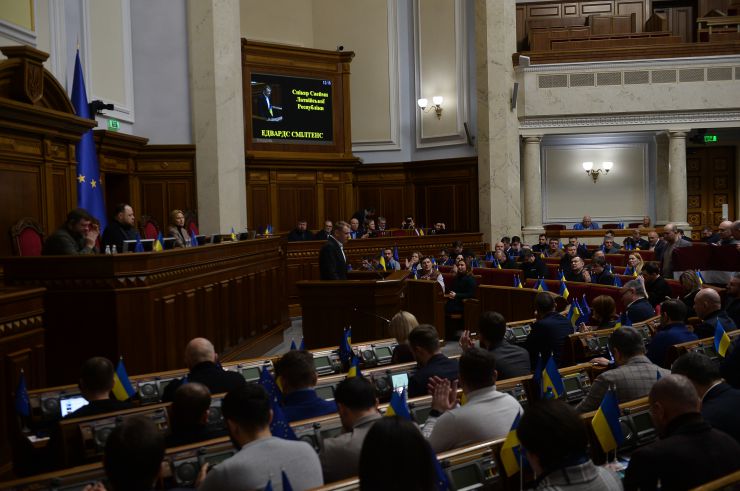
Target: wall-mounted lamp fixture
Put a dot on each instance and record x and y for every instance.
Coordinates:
(594, 173)
(437, 101)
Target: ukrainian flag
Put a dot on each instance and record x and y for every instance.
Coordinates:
(496, 263)
(564, 289)
(158, 243)
(381, 261)
(721, 340)
(122, 388)
(574, 313)
(511, 449)
(541, 286)
(551, 379)
(617, 282)
(354, 369)
(606, 423)
(398, 405)
(561, 275)
(700, 277)
(233, 234)
(517, 282)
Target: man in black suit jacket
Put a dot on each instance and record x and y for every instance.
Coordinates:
(332, 261)
(549, 333)
(532, 266)
(720, 403)
(637, 306)
(690, 452)
(708, 306)
(424, 342)
(655, 285)
(511, 360)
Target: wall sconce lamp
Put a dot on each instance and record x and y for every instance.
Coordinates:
(437, 101)
(594, 173)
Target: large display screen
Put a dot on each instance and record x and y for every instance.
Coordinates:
(291, 109)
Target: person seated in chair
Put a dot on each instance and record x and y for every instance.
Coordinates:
(189, 416)
(672, 331)
(177, 229)
(553, 249)
(541, 245)
(77, 236)
(532, 266)
(296, 374)
(637, 306)
(655, 285)
(609, 247)
(505, 261)
(96, 383)
(586, 224)
(571, 251)
(121, 227)
(708, 306)
(325, 232)
(549, 333)
(635, 241)
(463, 286)
(301, 232)
(511, 360)
(599, 274)
(424, 342)
(578, 271)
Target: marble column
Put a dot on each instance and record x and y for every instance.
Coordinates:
(677, 189)
(498, 126)
(532, 192)
(214, 48)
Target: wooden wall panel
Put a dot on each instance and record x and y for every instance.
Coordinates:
(20, 188)
(153, 199)
(258, 206)
(60, 195)
(332, 199)
(636, 7)
(710, 183)
(296, 201)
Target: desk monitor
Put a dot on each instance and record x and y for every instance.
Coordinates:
(326, 392)
(68, 405)
(130, 245)
(321, 362)
(383, 352)
(204, 239)
(251, 374)
(466, 476)
(571, 384)
(168, 243)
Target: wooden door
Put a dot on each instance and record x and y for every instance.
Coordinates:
(710, 176)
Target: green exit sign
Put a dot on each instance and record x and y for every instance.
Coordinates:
(710, 138)
(115, 125)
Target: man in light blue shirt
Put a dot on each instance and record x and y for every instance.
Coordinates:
(586, 224)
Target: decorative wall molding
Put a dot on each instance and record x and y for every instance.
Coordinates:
(653, 64)
(394, 87)
(20, 34)
(461, 76)
(662, 118)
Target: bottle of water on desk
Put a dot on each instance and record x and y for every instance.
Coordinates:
(114, 250)
(107, 250)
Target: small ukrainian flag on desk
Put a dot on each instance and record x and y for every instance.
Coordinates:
(511, 450)
(122, 388)
(606, 422)
(398, 405)
(721, 340)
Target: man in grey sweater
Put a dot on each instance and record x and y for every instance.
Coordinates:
(261, 458)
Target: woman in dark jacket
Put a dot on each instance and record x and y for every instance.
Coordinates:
(463, 287)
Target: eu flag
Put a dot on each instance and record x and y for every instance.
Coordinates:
(266, 381)
(89, 189)
(22, 402)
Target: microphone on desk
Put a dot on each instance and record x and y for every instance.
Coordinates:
(372, 314)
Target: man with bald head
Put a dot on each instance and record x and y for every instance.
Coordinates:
(689, 452)
(672, 241)
(586, 224)
(708, 307)
(725, 234)
(189, 416)
(201, 359)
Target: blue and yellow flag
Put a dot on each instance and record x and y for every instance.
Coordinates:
(89, 188)
(517, 282)
(193, 237)
(122, 388)
(700, 277)
(395, 253)
(574, 312)
(158, 243)
(496, 263)
(345, 346)
(398, 405)
(617, 282)
(551, 379)
(292, 345)
(22, 401)
(233, 234)
(624, 320)
(354, 368)
(606, 422)
(721, 340)
(541, 285)
(561, 275)
(381, 261)
(564, 289)
(511, 450)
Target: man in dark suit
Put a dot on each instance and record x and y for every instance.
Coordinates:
(96, 384)
(690, 452)
(571, 251)
(296, 374)
(708, 306)
(325, 232)
(599, 274)
(332, 261)
(424, 343)
(672, 331)
(655, 285)
(201, 358)
(301, 232)
(720, 403)
(732, 307)
(636, 241)
(189, 416)
(549, 333)
(121, 227)
(511, 360)
(532, 266)
(636, 305)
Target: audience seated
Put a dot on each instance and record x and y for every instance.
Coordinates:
(541, 245)
(396, 457)
(599, 273)
(408, 223)
(725, 234)
(672, 331)
(732, 307)
(708, 307)
(463, 286)
(133, 455)
(365, 214)
(556, 447)
(390, 262)
(581, 249)
(511, 360)
(586, 224)
(603, 314)
(505, 261)
(690, 452)
(400, 327)
(427, 272)
(121, 227)
(578, 271)
(382, 224)
(358, 411)
(690, 286)
(201, 358)
(637, 306)
(672, 241)
(325, 232)
(189, 416)
(424, 343)
(635, 373)
(296, 375)
(78, 235)
(655, 285)
(300, 232)
(553, 248)
(532, 266)
(549, 333)
(412, 263)
(515, 248)
(634, 264)
(571, 251)
(720, 403)
(635, 241)
(708, 235)
(96, 384)
(177, 229)
(439, 228)
(261, 457)
(355, 231)
(486, 414)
